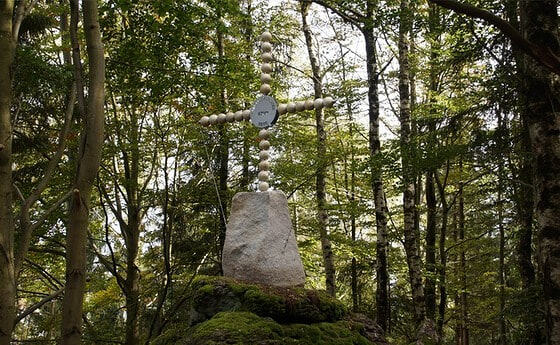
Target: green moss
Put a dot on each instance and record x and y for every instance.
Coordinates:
(225, 311)
(206, 289)
(242, 328)
(261, 303)
(215, 294)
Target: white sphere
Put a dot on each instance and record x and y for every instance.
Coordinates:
(264, 165)
(300, 106)
(246, 115)
(263, 175)
(205, 121)
(239, 115)
(222, 118)
(230, 117)
(308, 105)
(328, 102)
(264, 145)
(266, 57)
(213, 119)
(263, 186)
(266, 78)
(265, 89)
(264, 155)
(264, 133)
(318, 103)
(291, 107)
(266, 67)
(266, 47)
(266, 36)
(282, 108)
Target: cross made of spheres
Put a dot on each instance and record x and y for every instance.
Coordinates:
(265, 111)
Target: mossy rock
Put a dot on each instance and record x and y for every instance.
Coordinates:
(225, 311)
(211, 295)
(246, 328)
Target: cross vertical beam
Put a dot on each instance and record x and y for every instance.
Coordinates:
(265, 112)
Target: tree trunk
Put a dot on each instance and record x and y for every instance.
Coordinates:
(431, 202)
(410, 241)
(501, 270)
(223, 155)
(88, 164)
(525, 201)
(539, 21)
(245, 157)
(464, 336)
(132, 233)
(381, 294)
(320, 191)
(7, 273)
(431, 207)
(442, 269)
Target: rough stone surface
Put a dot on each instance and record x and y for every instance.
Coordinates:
(260, 245)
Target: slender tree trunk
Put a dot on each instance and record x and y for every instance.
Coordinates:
(88, 164)
(7, 273)
(76, 56)
(410, 241)
(431, 202)
(431, 209)
(322, 217)
(526, 215)
(501, 273)
(442, 276)
(132, 289)
(501, 270)
(132, 233)
(442, 269)
(381, 294)
(245, 158)
(462, 267)
(415, 130)
(223, 155)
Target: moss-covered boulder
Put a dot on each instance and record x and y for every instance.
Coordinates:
(244, 328)
(225, 311)
(215, 294)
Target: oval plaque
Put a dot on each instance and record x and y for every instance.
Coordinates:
(264, 113)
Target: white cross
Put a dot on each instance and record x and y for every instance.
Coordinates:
(265, 111)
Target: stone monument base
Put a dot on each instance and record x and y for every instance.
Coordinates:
(260, 245)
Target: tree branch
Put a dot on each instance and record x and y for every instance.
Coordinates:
(343, 13)
(51, 210)
(37, 305)
(49, 171)
(543, 55)
(107, 264)
(21, 12)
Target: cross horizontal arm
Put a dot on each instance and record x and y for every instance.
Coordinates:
(310, 104)
(238, 116)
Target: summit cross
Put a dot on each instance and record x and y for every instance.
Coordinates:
(265, 111)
